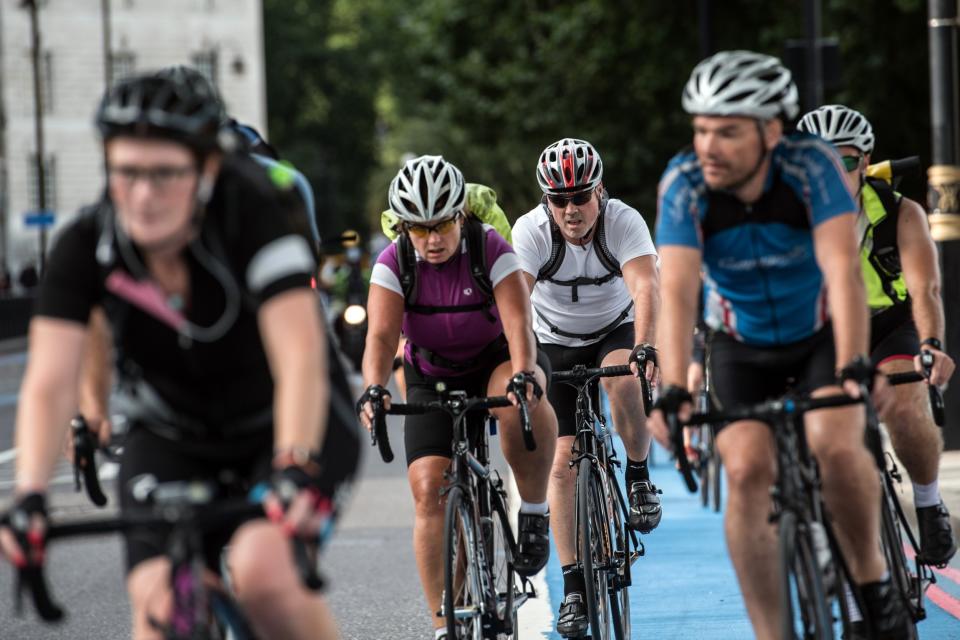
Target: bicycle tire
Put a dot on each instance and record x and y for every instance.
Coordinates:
(804, 599)
(704, 446)
(715, 471)
(619, 593)
(462, 591)
(592, 548)
(503, 576)
(891, 542)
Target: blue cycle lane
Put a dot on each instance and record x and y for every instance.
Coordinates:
(685, 584)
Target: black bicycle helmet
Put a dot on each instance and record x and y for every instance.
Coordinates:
(154, 106)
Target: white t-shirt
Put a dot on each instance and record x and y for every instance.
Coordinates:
(627, 238)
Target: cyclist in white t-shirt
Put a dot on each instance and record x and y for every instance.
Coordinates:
(592, 269)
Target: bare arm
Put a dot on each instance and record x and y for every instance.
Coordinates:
(48, 398)
(385, 317)
(513, 301)
(96, 375)
(918, 257)
(838, 255)
(296, 348)
(643, 282)
(680, 285)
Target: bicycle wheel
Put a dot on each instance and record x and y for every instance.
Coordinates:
(891, 541)
(503, 578)
(619, 593)
(714, 470)
(805, 609)
(462, 590)
(704, 446)
(593, 548)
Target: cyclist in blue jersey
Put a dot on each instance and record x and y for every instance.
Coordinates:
(769, 218)
(902, 275)
(472, 333)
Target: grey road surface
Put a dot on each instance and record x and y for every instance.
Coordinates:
(374, 592)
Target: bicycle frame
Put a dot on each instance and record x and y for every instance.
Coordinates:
(470, 474)
(619, 545)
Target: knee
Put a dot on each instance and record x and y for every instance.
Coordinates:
(149, 597)
(427, 502)
(261, 565)
(749, 474)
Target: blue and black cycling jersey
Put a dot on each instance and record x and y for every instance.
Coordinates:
(762, 284)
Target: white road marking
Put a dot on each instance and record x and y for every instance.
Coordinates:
(8, 455)
(535, 618)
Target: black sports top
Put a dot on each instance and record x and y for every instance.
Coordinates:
(203, 357)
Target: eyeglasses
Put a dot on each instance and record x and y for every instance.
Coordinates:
(578, 199)
(424, 231)
(851, 162)
(160, 177)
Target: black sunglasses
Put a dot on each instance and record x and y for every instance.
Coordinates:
(851, 162)
(561, 201)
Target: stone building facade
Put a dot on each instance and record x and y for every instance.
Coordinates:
(224, 38)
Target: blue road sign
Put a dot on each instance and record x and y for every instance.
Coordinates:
(39, 218)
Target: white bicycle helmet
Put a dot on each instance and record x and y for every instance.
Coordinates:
(427, 188)
(741, 83)
(839, 125)
(569, 165)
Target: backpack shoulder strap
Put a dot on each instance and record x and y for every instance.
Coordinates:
(407, 262)
(885, 233)
(558, 248)
(477, 249)
(600, 244)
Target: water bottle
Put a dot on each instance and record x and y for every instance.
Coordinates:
(821, 549)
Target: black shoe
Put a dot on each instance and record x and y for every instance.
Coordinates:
(937, 544)
(887, 612)
(533, 543)
(644, 506)
(572, 621)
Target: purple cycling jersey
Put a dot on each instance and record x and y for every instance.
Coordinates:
(458, 336)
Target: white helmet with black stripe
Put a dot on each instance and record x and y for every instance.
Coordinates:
(741, 83)
(839, 125)
(427, 188)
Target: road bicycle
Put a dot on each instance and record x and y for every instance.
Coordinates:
(606, 548)
(482, 592)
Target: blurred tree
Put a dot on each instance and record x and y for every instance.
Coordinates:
(354, 85)
(489, 84)
(322, 58)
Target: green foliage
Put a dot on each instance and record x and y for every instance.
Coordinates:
(357, 84)
(321, 85)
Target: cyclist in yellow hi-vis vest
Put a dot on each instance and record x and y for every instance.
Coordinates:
(902, 275)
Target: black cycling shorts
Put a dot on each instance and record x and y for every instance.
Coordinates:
(893, 335)
(431, 434)
(744, 374)
(563, 397)
(247, 459)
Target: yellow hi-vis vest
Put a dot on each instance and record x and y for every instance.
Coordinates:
(879, 255)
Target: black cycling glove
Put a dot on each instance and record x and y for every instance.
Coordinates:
(518, 385)
(861, 370)
(642, 354)
(373, 394)
(672, 398)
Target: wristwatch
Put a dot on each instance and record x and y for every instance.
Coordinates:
(933, 342)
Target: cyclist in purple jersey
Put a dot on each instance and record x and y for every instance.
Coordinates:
(467, 320)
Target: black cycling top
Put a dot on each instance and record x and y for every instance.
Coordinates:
(247, 240)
